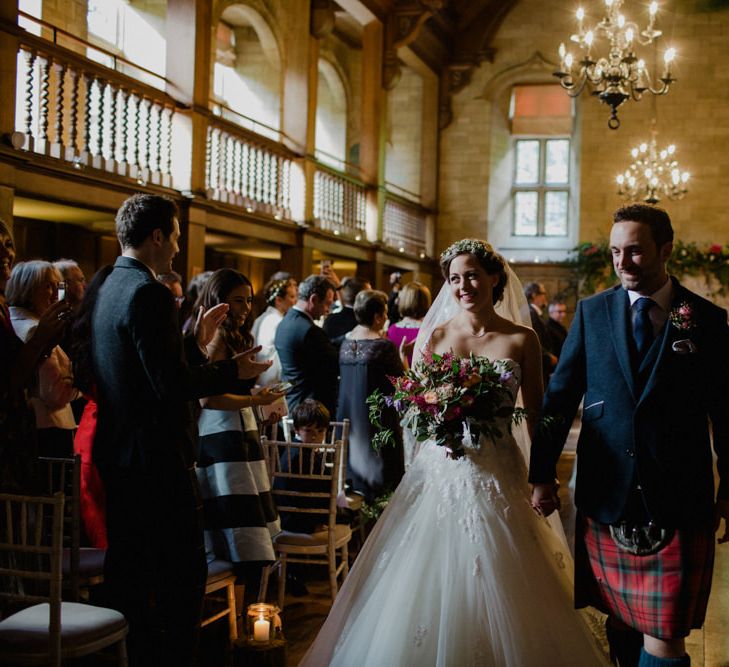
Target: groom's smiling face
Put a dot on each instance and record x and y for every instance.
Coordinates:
(639, 262)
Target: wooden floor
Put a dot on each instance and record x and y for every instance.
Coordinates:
(303, 616)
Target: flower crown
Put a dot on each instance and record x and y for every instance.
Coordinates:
(472, 246)
(274, 288)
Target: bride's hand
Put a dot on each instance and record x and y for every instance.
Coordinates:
(545, 498)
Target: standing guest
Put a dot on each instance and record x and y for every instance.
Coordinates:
(413, 302)
(31, 291)
(536, 296)
(392, 299)
(194, 287)
(280, 296)
(651, 360)
(260, 302)
(308, 359)
(74, 280)
(240, 515)
(19, 365)
(343, 321)
(173, 282)
(155, 567)
(555, 326)
(93, 499)
(366, 360)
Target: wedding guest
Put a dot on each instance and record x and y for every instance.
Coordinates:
(31, 291)
(155, 566)
(536, 296)
(651, 361)
(343, 321)
(280, 295)
(240, 514)
(366, 360)
(74, 280)
(555, 326)
(392, 299)
(308, 359)
(413, 302)
(194, 287)
(173, 282)
(93, 497)
(19, 365)
(260, 302)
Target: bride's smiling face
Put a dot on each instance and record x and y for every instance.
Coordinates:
(471, 286)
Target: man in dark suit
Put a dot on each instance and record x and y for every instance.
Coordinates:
(651, 360)
(555, 326)
(536, 296)
(338, 324)
(155, 568)
(308, 359)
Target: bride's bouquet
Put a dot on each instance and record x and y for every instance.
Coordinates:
(443, 393)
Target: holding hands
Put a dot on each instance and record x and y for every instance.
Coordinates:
(545, 498)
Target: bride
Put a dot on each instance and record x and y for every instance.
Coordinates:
(460, 570)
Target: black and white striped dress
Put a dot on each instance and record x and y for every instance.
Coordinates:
(240, 514)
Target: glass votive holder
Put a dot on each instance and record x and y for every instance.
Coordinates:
(263, 623)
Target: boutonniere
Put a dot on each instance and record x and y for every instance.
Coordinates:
(682, 317)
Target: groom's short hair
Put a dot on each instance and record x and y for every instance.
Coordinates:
(653, 216)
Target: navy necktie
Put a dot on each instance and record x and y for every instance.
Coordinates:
(642, 326)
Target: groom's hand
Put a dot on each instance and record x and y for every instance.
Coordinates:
(545, 498)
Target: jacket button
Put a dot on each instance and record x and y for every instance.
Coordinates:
(630, 452)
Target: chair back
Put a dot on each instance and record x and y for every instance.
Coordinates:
(336, 431)
(31, 553)
(64, 475)
(292, 462)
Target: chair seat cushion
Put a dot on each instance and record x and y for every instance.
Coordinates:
(90, 562)
(27, 630)
(318, 539)
(218, 569)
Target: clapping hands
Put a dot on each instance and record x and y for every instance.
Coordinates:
(207, 323)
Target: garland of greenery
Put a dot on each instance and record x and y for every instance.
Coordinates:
(592, 265)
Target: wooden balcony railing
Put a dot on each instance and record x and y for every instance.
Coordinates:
(75, 110)
(247, 170)
(404, 226)
(339, 203)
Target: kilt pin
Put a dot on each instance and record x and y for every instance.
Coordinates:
(644, 442)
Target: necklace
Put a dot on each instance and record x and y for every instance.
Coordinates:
(478, 335)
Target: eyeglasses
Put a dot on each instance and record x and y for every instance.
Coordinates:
(179, 300)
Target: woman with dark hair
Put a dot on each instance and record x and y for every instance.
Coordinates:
(240, 514)
(93, 499)
(460, 570)
(366, 359)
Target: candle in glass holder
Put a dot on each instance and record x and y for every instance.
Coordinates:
(261, 630)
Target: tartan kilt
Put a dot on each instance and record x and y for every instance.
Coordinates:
(662, 595)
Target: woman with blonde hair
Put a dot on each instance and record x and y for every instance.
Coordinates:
(413, 303)
(31, 291)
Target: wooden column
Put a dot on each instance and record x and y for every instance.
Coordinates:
(8, 67)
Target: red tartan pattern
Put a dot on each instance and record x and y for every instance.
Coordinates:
(662, 595)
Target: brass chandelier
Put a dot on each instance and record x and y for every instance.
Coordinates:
(653, 173)
(619, 75)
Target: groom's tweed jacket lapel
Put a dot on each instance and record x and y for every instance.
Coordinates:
(651, 426)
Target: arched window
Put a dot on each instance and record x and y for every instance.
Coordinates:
(331, 116)
(247, 71)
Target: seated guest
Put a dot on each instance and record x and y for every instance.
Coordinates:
(311, 421)
(31, 291)
(343, 321)
(366, 359)
(413, 302)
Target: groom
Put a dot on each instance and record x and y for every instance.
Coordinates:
(651, 360)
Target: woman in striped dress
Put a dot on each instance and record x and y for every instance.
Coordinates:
(240, 514)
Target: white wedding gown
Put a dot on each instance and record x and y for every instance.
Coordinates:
(459, 571)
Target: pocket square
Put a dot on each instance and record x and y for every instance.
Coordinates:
(684, 346)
